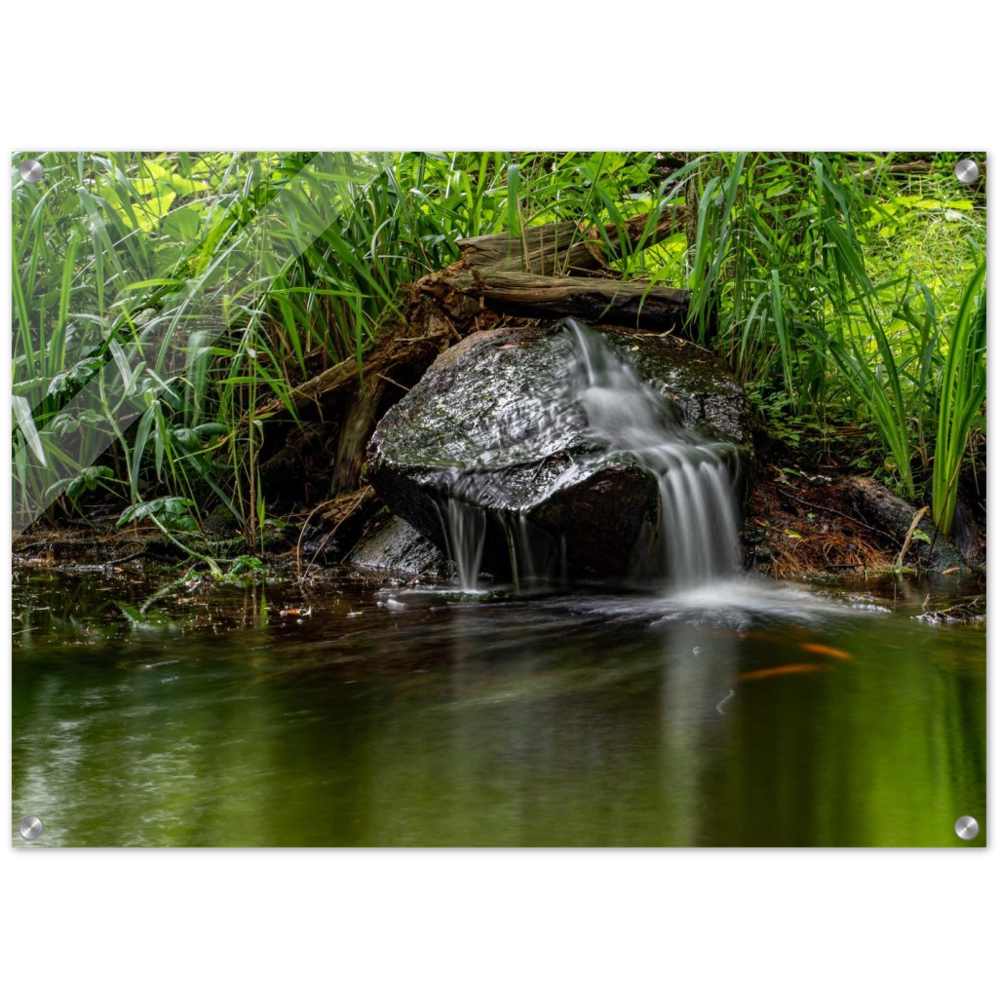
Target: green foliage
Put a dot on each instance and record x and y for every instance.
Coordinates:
(172, 512)
(829, 282)
(245, 568)
(88, 479)
(159, 299)
(883, 397)
(961, 395)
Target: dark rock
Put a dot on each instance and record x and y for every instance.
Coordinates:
(880, 508)
(398, 549)
(221, 524)
(968, 536)
(493, 423)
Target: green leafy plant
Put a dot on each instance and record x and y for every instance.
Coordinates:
(171, 294)
(172, 512)
(962, 392)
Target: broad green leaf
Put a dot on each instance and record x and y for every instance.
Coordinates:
(24, 420)
(182, 224)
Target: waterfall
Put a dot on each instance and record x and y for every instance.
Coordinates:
(696, 537)
(466, 535)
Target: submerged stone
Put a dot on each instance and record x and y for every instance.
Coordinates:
(554, 451)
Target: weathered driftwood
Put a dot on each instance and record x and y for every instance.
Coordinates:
(446, 303)
(455, 296)
(557, 248)
(914, 167)
(600, 300)
(567, 247)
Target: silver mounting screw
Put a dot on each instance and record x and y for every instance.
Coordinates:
(967, 171)
(31, 827)
(966, 827)
(31, 171)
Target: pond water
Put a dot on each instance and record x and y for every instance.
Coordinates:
(403, 718)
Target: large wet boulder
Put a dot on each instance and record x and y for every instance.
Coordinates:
(497, 438)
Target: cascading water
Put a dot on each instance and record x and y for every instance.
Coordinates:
(466, 533)
(695, 538)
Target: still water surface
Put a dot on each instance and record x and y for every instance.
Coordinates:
(431, 719)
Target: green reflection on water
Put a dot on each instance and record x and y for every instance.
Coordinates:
(587, 721)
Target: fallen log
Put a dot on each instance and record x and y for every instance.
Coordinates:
(447, 302)
(890, 515)
(556, 248)
(569, 247)
(599, 300)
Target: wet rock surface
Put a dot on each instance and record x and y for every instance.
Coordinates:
(495, 424)
(397, 549)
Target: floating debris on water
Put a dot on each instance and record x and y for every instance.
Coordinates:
(159, 663)
(296, 612)
(718, 707)
(958, 615)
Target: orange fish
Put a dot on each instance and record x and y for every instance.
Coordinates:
(788, 668)
(815, 647)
